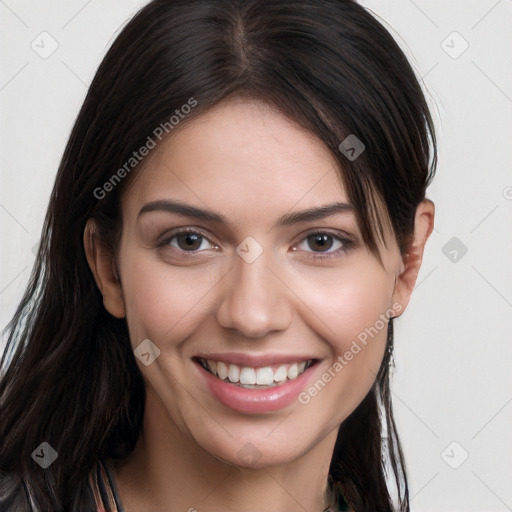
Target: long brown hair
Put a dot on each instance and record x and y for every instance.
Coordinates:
(68, 374)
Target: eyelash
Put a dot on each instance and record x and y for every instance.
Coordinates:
(347, 243)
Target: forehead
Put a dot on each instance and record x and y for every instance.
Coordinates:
(237, 157)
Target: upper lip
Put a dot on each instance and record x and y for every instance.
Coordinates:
(255, 360)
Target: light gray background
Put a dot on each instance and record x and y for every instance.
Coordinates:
(453, 379)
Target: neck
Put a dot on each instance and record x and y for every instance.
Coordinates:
(169, 471)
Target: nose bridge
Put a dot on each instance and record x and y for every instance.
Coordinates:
(254, 301)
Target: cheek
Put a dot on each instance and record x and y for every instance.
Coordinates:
(357, 316)
(350, 308)
(348, 301)
(163, 303)
(351, 313)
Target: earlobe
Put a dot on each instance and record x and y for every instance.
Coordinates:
(411, 263)
(104, 270)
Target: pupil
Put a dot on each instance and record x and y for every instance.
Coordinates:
(324, 242)
(189, 241)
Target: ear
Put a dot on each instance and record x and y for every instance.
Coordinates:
(103, 267)
(411, 263)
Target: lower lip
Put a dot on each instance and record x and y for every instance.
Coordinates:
(256, 401)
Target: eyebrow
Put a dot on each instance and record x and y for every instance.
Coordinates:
(288, 219)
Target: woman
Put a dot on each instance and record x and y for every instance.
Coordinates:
(238, 217)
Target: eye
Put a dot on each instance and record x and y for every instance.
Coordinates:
(188, 240)
(323, 245)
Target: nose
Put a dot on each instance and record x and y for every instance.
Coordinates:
(255, 300)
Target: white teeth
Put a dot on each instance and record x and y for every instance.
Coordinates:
(265, 376)
(254, 377)
(233, 373)
(248, 376)
(212, 365)
(222, 370)
(281, 374)
(293, 371)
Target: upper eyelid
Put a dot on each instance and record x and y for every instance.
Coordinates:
(168, 235)
(340, 234)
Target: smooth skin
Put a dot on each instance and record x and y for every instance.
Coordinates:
(250, 164)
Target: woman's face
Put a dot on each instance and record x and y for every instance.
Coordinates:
(259, 286)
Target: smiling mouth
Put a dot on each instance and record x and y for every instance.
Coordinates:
(255, 378)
